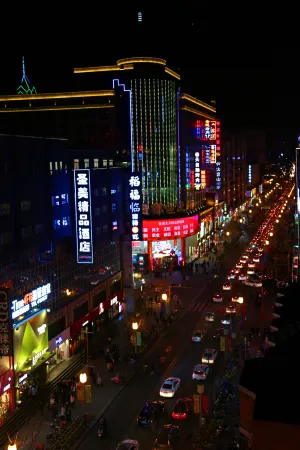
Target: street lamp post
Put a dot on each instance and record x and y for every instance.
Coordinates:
(135, 327)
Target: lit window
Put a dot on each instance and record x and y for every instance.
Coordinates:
(104, 163)
(51, 167)
(113, 207)
(104, 191)
(86, 163)
(56, 224)
(60, 165)
(113, 191)
(110, 162)
(65, 221)
(55, 200)
(56, 166)
(76, 163)
(96, 163)
(64, 199)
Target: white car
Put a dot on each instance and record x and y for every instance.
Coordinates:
(209, 317)
(250, 272)
(226, 320)
(231, 275)
(242, 277)
(198, 336)
(239, 265)
(218, 298)
(253, 283)
(169, 387)
(256, 259)
(209, 356)
(200, 372)
(245, 257)
(129, 444)
(227, 286)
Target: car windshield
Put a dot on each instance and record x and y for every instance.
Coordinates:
(208, 355)
(126, 447)
(167, 386)
(197, 334)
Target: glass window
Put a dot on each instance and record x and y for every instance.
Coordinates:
(97, 211)
(56, 166)
(51, 167)
(119, 187)
(64, 199)
(25, 205)
(4, 209)
(104, 208)
(86, 163)
(96, 163)
(104, 162)
(110, 162)
(60, 165)
(114, 207)
(65, 221)
(56, 224)
(55, 200)
(76, 163)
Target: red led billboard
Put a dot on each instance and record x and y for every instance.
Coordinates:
(165, 229)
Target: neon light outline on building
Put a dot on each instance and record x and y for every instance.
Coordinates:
(24, 87)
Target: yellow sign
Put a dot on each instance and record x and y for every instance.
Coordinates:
(222, 344)
(196, 399)
(88, 393)
(200, 388)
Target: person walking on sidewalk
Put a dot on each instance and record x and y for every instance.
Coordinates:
(99, 381)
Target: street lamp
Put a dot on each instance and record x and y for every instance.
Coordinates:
(241, 220)
(241, 300)
(267, 242)
(277, 221)
(12, 447)
(227, 233)
(164, 297)
(83, 378)
(250, 211)
(135, 326)
(271, 234)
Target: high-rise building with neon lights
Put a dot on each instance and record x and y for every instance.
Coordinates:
(152, 89)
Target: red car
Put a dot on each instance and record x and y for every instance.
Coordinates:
(182, 409)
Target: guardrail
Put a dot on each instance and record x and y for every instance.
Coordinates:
(22, 415)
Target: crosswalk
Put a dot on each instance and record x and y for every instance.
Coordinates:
(196, 307)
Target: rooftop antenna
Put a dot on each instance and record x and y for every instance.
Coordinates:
(25, 87)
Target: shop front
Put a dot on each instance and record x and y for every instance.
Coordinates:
(31, 355)
(59, 346)
(191, 248)
(7, 388)
(166, 240)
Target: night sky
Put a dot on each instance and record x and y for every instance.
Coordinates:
(254, 85)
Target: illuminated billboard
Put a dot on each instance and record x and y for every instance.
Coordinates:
(218, 157)
(135, 205)
(83, 216)
(30, 303)
(30, 342)
(165, 229)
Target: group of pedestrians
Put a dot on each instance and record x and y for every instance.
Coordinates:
(62, 401)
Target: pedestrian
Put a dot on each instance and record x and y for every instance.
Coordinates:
(72, 400)
(63, 413)
(99, 381)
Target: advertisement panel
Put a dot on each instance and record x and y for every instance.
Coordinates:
(135, 205)
(6, 347)
(31, 303)
(155, 230)
(83, 216)
(30, 341)
(218, 157)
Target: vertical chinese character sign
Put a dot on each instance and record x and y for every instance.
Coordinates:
(197, 171)
(84, 237)
(5, 329)
(218, 157)
(135, 205)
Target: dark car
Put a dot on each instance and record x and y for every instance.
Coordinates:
(182, 409)
(167, 438)
(149, 414)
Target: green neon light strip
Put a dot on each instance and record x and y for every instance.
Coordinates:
(24, 88)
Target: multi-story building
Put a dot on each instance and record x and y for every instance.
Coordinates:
(234, 169)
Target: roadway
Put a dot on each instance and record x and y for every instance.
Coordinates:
(180, 357)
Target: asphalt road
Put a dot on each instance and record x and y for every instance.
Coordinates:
(180, 356)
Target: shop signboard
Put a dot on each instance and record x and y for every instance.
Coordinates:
(139, 342)
(218, 157)
(30, 304)
(30, 341)
(88, 393)
(163, 229)
(6, 347)
(135, 205)
(80, 393)
(196, 398)
(197, 171)
(83, 216)
(222, 344)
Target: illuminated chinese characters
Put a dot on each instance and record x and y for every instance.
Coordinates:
(203, 179)
(84, 239)
(135, 205)
(197, 171)
(249, 174)
(155, 230)
(218, 157)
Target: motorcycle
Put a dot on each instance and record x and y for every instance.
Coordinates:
(102, 431)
